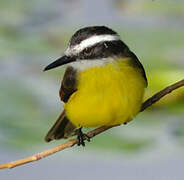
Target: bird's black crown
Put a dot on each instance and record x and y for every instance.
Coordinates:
(87, 32)
(99, 50)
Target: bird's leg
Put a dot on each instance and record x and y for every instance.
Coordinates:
(81, 137)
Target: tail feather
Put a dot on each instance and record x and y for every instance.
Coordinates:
(62, 128)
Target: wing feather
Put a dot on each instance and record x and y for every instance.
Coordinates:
(63, 128)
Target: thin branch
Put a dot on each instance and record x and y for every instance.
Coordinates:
(92, 133)
(161, 94)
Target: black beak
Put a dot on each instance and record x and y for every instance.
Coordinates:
(59, 62)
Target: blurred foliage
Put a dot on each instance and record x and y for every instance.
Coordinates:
(113, 142)
(165, 8)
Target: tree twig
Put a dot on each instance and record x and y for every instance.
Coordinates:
(92, 133)
(161, 94)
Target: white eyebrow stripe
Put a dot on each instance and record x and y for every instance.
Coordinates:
(90, 42)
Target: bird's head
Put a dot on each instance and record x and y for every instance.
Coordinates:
(95, 44)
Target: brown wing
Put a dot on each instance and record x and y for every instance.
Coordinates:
(63, 128)
(68, 86)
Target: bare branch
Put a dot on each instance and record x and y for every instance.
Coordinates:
(161, 94)
(92, 133)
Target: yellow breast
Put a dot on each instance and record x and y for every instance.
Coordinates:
(107, 95)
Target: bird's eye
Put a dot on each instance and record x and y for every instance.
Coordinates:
(87, 50)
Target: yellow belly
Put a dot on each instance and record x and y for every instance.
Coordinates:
(107, 95)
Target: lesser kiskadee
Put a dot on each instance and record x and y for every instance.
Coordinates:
(103, 84)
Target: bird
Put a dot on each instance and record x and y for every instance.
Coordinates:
(103, 84)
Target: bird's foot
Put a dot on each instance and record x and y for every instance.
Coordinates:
(81, 137)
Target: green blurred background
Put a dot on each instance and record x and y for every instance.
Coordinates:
(34, 33)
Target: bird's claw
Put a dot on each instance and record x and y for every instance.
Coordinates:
(82, 137)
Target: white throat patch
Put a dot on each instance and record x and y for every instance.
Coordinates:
(90, 42)
(82, 65)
